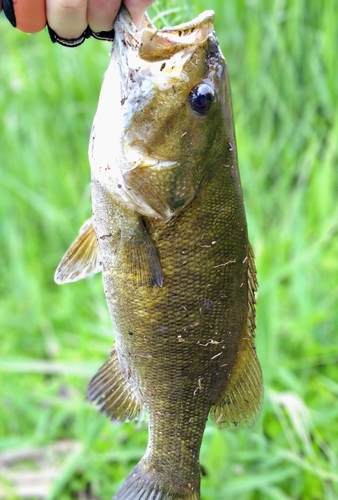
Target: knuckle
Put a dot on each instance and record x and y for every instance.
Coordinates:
(71, 5)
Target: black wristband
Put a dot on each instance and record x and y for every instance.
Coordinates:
(108, 36)
(8, 8)
(75, 42)
(72, 42)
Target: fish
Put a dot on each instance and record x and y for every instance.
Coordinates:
(168, 232)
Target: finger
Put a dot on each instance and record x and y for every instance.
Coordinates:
(68, 18)
(27, 15)
(137, 8)
(101, 14)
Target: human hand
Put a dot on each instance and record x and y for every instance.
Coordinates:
(70, 20)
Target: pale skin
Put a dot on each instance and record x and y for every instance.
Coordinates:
(70, 18)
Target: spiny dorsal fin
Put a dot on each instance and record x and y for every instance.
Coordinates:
(82, 257)
(141, 256)
(242, 400)
(111, 392)
(252, 289)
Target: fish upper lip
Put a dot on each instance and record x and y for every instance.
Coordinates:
(137, 156)
(198, 28)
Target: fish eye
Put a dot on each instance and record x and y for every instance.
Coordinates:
(200, 98)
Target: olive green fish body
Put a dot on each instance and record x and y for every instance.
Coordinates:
(178, 270)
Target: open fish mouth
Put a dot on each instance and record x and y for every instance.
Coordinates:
(166, 50)
(155, 44)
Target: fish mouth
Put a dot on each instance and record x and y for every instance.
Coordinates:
(160, 44)
(169, 46)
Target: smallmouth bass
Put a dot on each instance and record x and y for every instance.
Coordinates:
(169, 234)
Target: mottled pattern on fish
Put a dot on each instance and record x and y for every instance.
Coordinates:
(169, 233)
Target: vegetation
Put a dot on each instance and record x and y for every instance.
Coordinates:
(282, 58)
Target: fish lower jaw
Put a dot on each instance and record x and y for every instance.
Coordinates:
(131, 199)
(127, 178)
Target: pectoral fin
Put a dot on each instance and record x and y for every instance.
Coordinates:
(242, 400)
(111, 392)
(141, 256)
(81, 259)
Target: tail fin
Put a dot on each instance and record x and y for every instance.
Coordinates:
(139, 485)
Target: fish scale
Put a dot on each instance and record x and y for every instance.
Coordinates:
(169, 234)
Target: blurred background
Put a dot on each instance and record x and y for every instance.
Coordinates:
(282, 60)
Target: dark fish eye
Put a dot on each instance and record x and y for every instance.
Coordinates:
(200, 98)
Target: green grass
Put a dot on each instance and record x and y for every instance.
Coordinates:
(282, 59)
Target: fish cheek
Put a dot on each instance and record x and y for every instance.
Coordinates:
(157, 127)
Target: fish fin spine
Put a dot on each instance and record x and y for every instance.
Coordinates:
(252, 289)
(111, 392)
(82, 258)
(140, 486)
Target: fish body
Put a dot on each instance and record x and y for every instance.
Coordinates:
(169, 233)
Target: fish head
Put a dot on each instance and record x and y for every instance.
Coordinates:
(160, 115)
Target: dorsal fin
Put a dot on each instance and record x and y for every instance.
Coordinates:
(82, 257)
(241, 402)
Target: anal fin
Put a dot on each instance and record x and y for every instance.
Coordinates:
(81, 259)
(111, 392)
(141, 256)
(242, 400)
